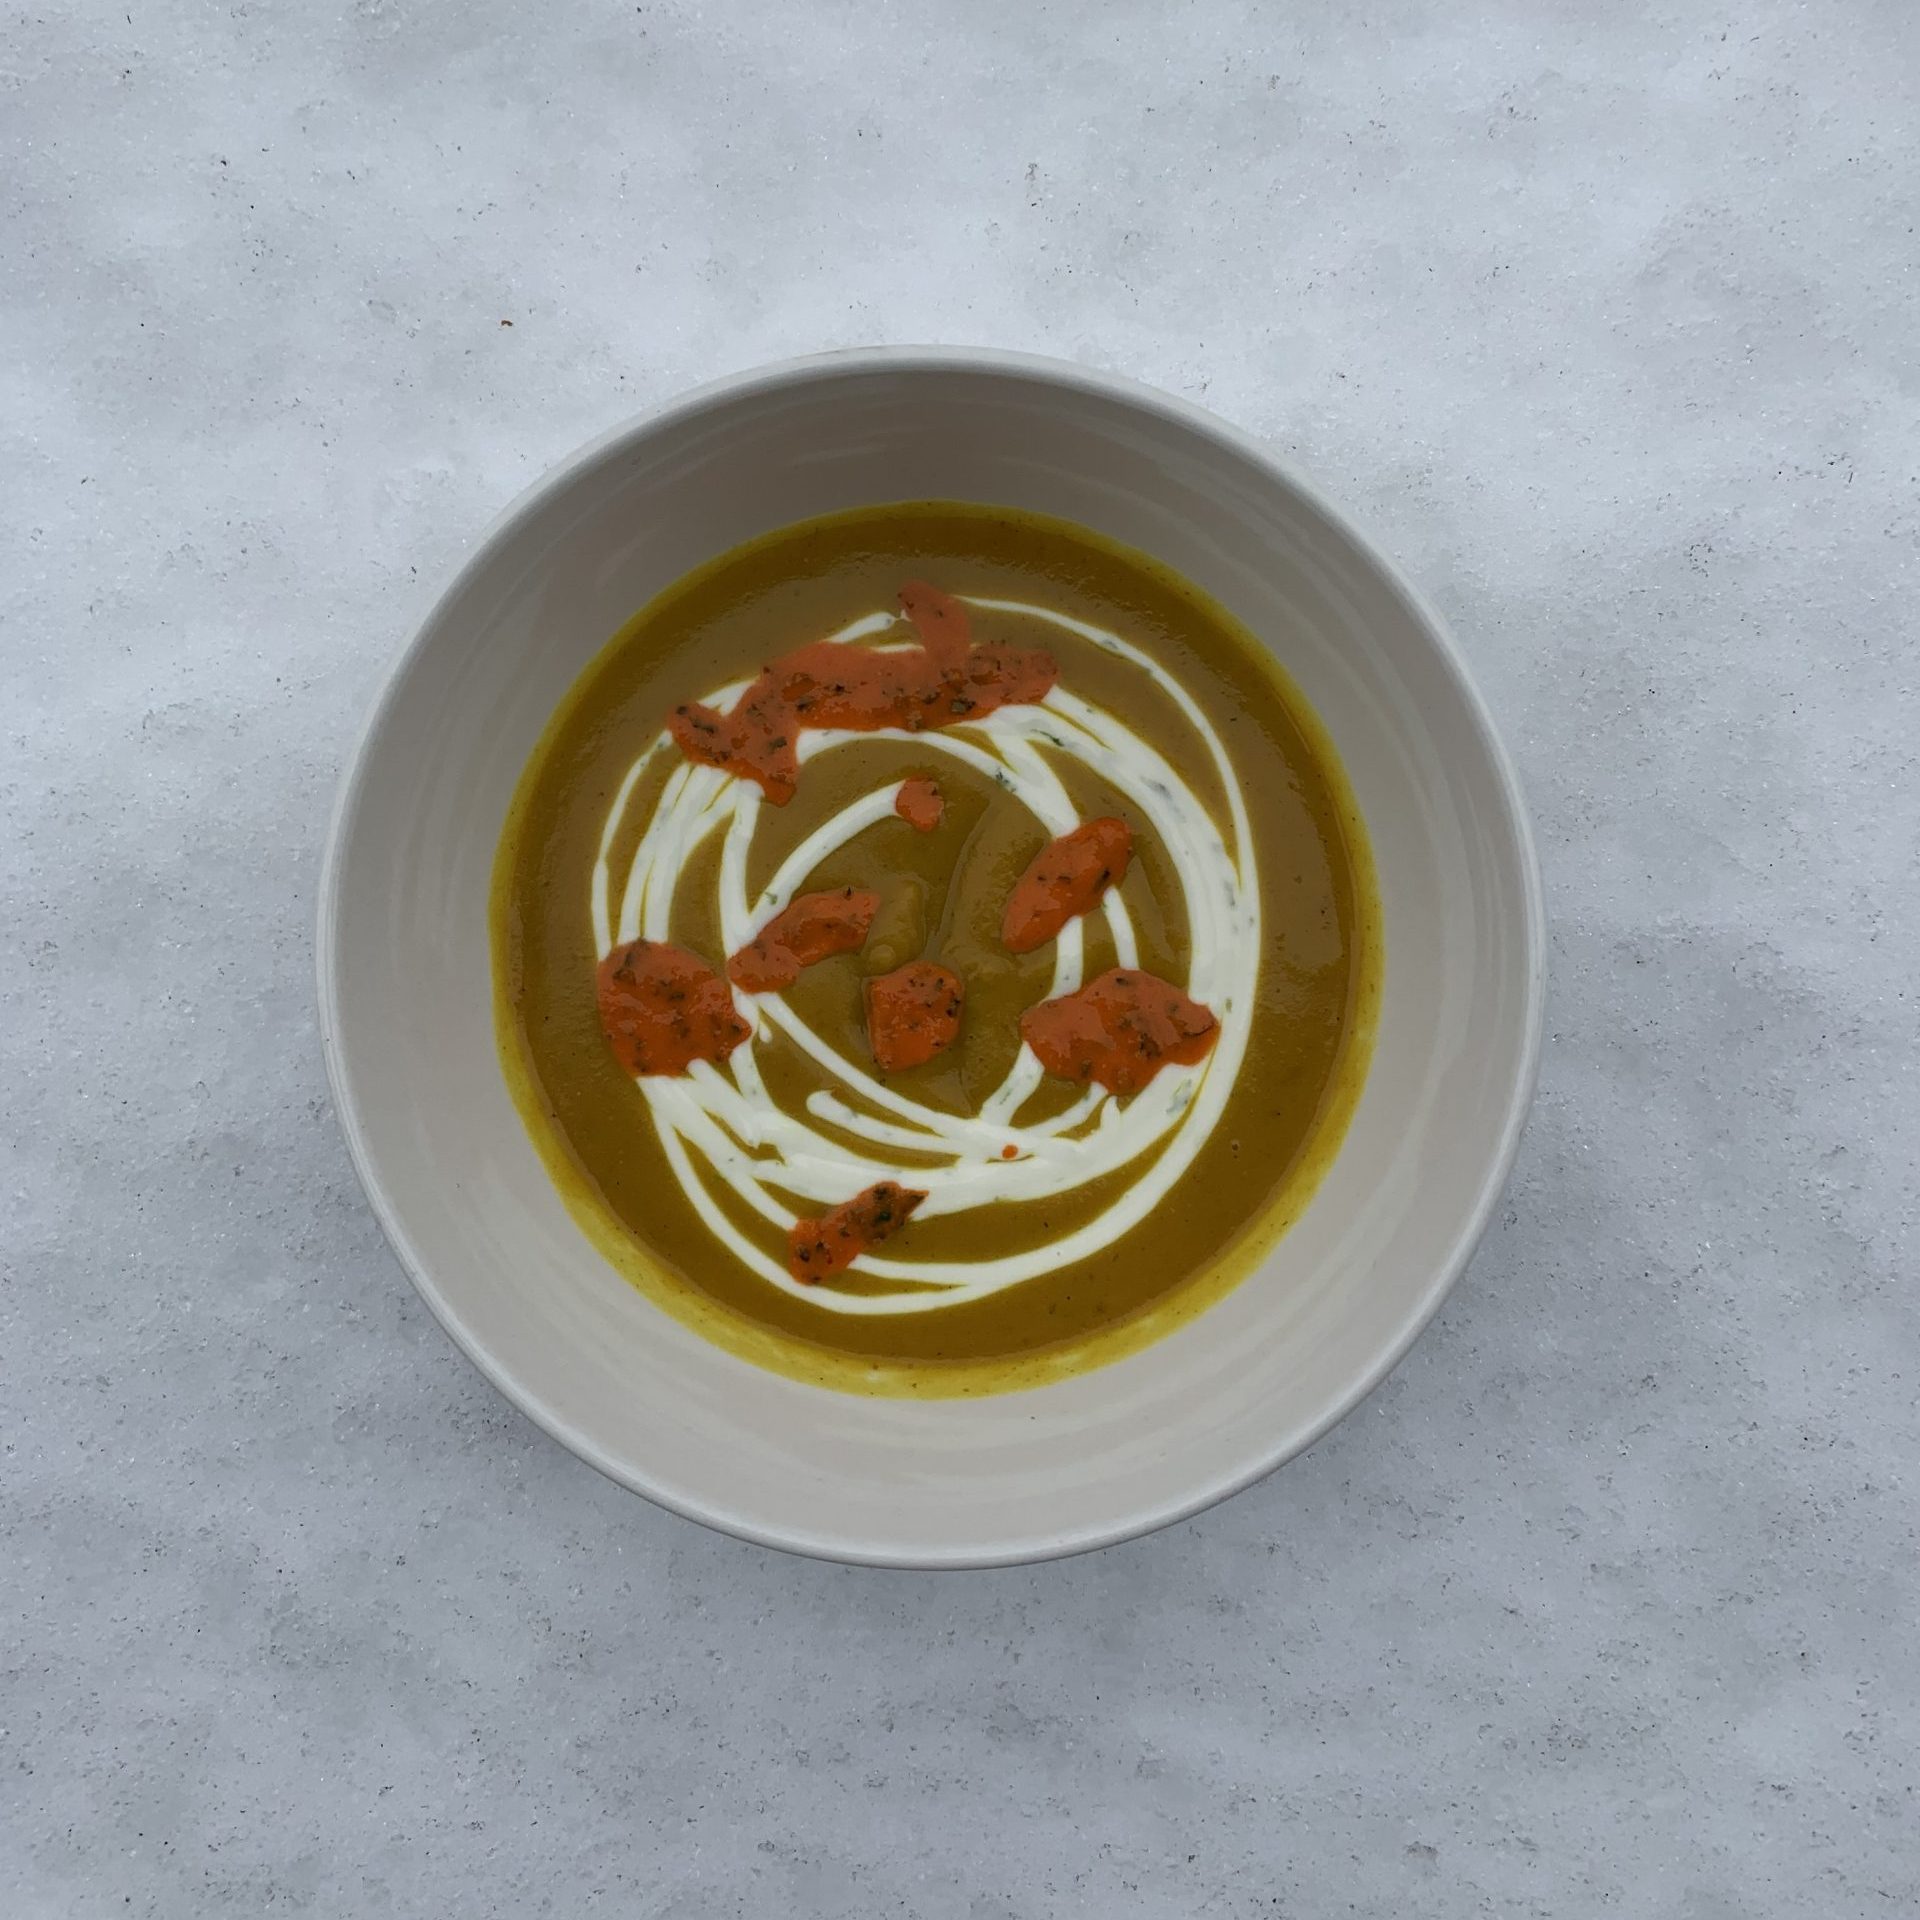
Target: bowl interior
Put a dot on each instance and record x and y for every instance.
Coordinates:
(406, 1004)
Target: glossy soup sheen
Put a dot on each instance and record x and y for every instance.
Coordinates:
(942, 896)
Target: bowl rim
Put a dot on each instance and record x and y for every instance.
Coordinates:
(1039, 369)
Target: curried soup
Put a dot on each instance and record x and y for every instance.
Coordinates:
(934, 950)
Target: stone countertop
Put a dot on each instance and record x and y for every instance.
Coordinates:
(1604, 318)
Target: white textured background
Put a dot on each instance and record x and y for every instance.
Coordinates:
(1605, 316)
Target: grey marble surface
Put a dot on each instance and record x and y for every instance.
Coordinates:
(1605, 317)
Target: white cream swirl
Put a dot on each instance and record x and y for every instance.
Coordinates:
(724, 1119)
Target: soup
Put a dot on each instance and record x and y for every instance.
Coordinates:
(934, 950)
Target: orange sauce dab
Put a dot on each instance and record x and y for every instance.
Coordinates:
(920, 803)
(1064, 880)
(814, 927)
(819, 1249)
(1120, 1030)
(664, 1008)
(913, 1013)
(942, 682)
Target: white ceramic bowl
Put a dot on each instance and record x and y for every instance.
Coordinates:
(406, 1010)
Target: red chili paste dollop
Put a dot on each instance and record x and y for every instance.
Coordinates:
(942, 682)
(1120, 1030)
(913, 1013)
(818, 1249)
(1064, 880)
(815, 926)
(920, 803)
(664, 1008)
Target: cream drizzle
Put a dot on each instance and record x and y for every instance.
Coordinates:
(769, 1158)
